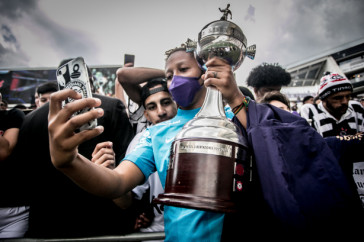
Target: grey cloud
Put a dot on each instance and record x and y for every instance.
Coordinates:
(64, 40)
(10, 52)
(316, 26)
(11, 12)
(9, 58)
(14, 9)
(8, 35)
(250, 15)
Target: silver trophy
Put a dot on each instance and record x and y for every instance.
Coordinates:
(223, 39)
(210, 164)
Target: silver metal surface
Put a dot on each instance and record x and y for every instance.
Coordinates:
(223, 39)
(208, 147)
(211, 122)
(205, 147)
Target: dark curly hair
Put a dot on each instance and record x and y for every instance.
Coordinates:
(268, 75)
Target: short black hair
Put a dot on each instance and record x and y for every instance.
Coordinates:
(247, 92)
(277, 96)
(305, 99)
(268, 75)
(47, 87)
(145, 92)
(316, 98)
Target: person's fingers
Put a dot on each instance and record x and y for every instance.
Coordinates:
(56, 99)
(216, 62)
(83, 136)
(103, 152)
(99, 146)
(104, 158)
(129, 64)
(63, 114)
(77, 121)
(109, 164)
(77, 105)
(63, 134)
(216, 77)
(145, 218)
(211, 74)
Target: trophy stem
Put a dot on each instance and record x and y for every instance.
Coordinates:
(213, 105)
(210, 166)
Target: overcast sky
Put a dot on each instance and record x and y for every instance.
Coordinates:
(40, 33)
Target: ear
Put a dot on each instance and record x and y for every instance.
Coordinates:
(147, 115)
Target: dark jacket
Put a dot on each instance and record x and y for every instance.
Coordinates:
(58, 207)
(300, 190)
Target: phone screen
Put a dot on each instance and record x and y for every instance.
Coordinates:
(129, 58)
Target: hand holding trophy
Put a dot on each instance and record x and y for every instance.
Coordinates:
(210, 163)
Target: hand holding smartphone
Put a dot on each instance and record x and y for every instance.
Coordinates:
(74, 75)
(129, 59)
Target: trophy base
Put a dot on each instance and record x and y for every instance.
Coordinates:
(195, 202)
(206, 174)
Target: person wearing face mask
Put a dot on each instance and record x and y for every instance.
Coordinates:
(184, 89)
(278, 204)
(152, 153)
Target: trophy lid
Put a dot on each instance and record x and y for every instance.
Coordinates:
(221, 27)
(224, 39)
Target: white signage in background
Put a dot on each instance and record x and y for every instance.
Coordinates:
(352, 64)
(294, 93)
(358, 175)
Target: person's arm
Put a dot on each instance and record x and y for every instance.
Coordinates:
(8, 142)
(9, 138)
(119, 92)
(226, 84)
(64, 141)
(131, 77)
(104, 155)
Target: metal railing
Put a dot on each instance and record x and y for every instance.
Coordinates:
(140, 236)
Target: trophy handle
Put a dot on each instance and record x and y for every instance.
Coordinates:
(250, 51)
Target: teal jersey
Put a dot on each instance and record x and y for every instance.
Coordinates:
(151, 154)
(228, 112)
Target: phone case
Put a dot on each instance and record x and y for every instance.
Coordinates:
(74, 75)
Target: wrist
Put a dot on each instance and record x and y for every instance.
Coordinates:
(242, 105)
(237, 100)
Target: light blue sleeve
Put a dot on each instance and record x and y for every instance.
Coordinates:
(142, 155)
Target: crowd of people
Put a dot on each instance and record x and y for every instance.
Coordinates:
(59, 183)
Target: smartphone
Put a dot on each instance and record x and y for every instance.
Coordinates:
(129, 59)
(74, 75)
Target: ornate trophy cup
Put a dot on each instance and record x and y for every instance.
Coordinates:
(210, 161)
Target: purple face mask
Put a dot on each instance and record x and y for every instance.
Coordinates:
(184, 89)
